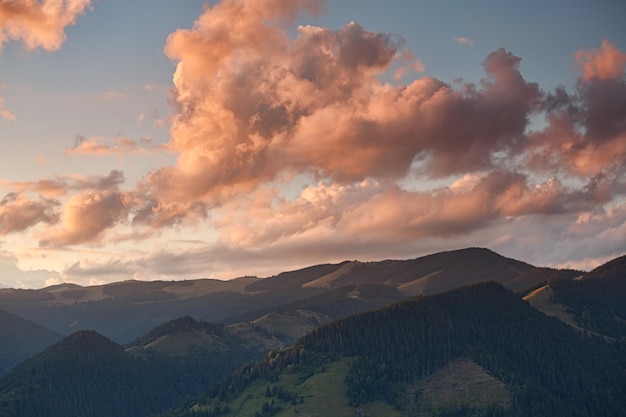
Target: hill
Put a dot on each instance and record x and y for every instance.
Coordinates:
(21, 339)
(123, 311)
(85, 374)
(594, 303)
(476, 351)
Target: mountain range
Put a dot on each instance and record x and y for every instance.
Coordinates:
(125, 310)
(526, 315)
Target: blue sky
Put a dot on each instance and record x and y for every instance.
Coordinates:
(112, 167)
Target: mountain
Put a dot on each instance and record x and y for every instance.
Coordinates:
(21, 339)
(476, 351)
(425, 275)
(85, 374)
(594, 303)
(123, 311)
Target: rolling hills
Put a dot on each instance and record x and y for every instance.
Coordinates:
(125, 310)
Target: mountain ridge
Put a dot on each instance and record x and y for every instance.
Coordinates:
(124, 310)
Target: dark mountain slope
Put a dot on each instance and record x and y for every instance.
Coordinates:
(21, 339)
(195, 354)
(597, 302)
(84, 375)
(87, 374)
(547, 368)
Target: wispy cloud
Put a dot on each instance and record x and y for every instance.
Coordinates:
(121, 145)
(5, 113)
(462, 40)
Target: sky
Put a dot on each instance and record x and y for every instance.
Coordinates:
(181, 139)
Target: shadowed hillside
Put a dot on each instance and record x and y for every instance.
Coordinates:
(397, 361)
(21, 339)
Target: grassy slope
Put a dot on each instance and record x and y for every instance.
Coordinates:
(462, 382)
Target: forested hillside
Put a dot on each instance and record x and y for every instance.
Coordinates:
(548, 368)
(85, 375)
(21, 339)
(598, 301)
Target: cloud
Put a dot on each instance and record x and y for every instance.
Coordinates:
(18, 212)
(114, 95)
(5, 113)
(60, 186)
(23, 278)
(382, 212)
(252, 104)
(462, 40)
(118, 146)
(586, 130)
(603, 64)
(86, 216)
(39, 23)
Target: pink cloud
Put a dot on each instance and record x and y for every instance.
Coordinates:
(18, 213)
(86, 216)
(252, 103)
(586, 132)
(60, 186)
(39, 23)
(603, 64)
(379, 212)
(118, 146)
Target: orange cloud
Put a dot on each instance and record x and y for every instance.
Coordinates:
(586, 132)
(39, 23)
(60, 186)
(5, 113)
(603, 64)
(86, 216)
(18, 213)
(251, 103)
(118, 146)
(380, 212)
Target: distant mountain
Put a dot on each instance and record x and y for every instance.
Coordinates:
(426, 275)
(125, 310)
(21, 339)
(476, 351)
